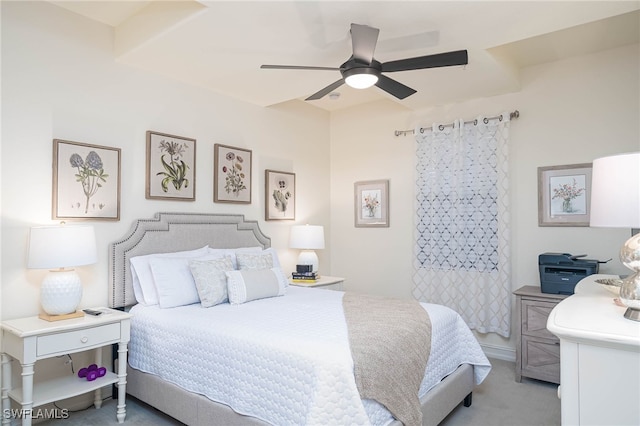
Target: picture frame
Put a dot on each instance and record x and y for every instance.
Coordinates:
(232, 174)
(371, 200)
(564, 195)
(171, 167)
(86, 181)
(279, 195)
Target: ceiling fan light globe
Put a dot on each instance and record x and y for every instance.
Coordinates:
(361, 81)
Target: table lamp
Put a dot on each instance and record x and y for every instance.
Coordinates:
(308, 238)
(58, 248)
(615, 202)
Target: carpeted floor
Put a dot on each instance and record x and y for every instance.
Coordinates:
(501, 401)
(498, 401)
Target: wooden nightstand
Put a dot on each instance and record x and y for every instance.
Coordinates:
(28, 340)
(537, 349)
(330, 283)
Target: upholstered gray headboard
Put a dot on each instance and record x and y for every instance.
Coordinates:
(169, 232)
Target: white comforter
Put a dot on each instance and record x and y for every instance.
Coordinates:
(285, 360)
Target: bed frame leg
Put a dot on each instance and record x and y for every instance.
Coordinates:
(467, 400)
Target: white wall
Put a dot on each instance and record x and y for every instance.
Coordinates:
(59, 80)
(572, 111)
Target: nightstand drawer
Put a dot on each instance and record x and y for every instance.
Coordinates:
(534, 319)
(77, 340)
(541, 359)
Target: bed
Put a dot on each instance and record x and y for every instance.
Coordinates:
(232, 364)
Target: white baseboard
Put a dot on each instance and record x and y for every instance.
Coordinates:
(499, 352)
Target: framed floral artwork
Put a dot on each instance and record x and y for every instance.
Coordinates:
(86, 181)
(232, 174)
(564, 195)
(280, 195)
(372, 204)
(171, 167)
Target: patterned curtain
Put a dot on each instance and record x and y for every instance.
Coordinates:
(462, 221)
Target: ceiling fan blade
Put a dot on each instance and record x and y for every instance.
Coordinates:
(394, 88)
(297, 67)
(363, 39)
(458, 57)
(330, 88)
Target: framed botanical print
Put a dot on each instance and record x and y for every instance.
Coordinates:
(86, 181)
(371, 204)
(280, 195)
(564, 195)
(232, 174)
(171, 167)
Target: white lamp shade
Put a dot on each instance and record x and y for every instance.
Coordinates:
(615, 191)
(61, 246)
(307, 237)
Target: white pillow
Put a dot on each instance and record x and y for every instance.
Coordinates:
(257, 259)
(143, 286)
(252, 284)
(210, 278)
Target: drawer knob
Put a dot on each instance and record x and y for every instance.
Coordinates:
(84, 339)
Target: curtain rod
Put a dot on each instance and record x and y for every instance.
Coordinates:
(515, 114)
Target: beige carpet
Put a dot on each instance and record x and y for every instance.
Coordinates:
(498, 401)
(501, 401)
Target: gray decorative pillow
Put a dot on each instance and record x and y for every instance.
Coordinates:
(211, 281)
(254, 261)
(252, 284)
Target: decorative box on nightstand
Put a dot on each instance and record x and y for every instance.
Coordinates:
(31, 339)
(326, 282)
(537, 349)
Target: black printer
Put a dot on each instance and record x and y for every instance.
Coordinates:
(560, 272)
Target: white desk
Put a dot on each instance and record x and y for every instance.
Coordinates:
(599, 358)
(28, 340)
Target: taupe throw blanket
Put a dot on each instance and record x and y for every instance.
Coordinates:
(390, 344)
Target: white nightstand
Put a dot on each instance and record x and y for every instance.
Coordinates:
(326, 282)
(28, 340)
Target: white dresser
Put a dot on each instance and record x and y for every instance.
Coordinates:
(599, 358)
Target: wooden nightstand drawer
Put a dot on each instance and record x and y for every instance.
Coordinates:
(541, 359)
(77, 340)
(534, 318)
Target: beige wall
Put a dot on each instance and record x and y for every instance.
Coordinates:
(572, 111)
(60, 81)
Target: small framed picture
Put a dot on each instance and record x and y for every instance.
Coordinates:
(86, 181)
(280, 195)
(564, 195)
(232, 174)
(372, 204)
(171, 167)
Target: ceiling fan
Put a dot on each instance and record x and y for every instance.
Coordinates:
(361, 70)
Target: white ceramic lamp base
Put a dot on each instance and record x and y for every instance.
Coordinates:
(60, 292)
(309, 257)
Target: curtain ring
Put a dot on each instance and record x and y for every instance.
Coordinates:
(475, 122)
(500, 118)
(486, 120)
(441, 127)
(421, 129)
